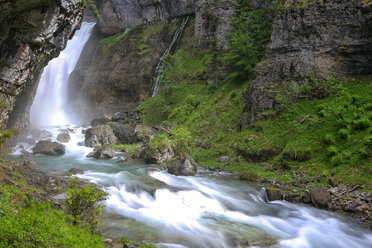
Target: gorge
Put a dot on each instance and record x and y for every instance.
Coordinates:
(272, 99)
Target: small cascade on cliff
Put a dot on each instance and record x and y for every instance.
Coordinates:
(50, 99)
(159, 71)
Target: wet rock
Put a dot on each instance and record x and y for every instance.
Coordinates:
(46, 147)
(29, 163)
(306, 197)
(224, 159)
(30, 141)
(320, 197)
(99, 122)
(182, 166)
(249, 176)
(124, 132)
(274, 194)
(81, 143)
(293, 197)
(100, 135)
(103, 152)
(138, 153)
(67, 130)
(63, 137)
(75, 171)
(159, 156)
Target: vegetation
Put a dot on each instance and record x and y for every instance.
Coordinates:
(26, 221)
(249, 39)
(92, 6)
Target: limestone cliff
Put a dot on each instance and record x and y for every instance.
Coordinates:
(327, 38)
(116, 72)
(32, 33)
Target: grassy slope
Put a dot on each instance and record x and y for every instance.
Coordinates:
(27, 223)
(305, 137)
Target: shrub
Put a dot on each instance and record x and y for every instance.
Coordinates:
(362, 124)
(332, 151)
(363, 152)
(336, 160)
(344, 133)
(81, 202)
(159, 143)
(329, 139)
(181, 139)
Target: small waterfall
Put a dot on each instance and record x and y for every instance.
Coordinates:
(50, 99)
(159, 71)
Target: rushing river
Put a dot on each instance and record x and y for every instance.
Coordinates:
(209, 210)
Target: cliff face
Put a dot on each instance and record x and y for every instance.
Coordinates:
(119, 15)
(116, 73)
(32, 33)
(333, 38)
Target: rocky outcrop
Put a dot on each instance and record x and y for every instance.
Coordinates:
(326, 38)
(160, 156)
(100, 135)
(115, 74)
(31, 34)
(182, 166)
(103, 152)
(46, 147)
(63, 137)
(118, 16)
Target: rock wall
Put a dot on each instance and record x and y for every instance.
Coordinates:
(32, 33)
(119, 15)
(119, 79)
(333, 38)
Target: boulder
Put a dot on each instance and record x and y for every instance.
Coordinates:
(224, 159)
(63, 137)
(274, 194)
(249, 176)
(143, 134)
(99, 122)
(75, 171)
(320, 197)
(103, 152)
(47, 147)
(100, 135)
(124, 132)
(183, 166)
(160, 156)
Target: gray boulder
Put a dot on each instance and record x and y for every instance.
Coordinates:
(224, 159)
(274, 194)
(63, 137)
(124, 132)
(320, 197)
(103, 152)
(47, 147)
(183, 166)
(160, 156)
(143, 134)
(40, 134)
(99, 136)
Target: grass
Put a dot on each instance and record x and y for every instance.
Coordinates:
(25, 222)
(318, 137)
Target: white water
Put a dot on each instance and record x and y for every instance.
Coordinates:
(210, 210)
(159, 71)
(48, 106)
(207, 210)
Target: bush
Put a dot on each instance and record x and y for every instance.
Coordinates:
(329, 139)
(181, 139)
(362, 124)
(344, 133)
(336, 160)
(159, 143)
(81, 202)
(332, 151)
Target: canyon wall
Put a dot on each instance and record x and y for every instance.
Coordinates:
(32, 33)
(115, 72)
(325, 39)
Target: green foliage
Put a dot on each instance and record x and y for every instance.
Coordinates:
(329, 139)
(29, 224)
(4, 135)
(249, 39)
(181, 140)
(159, 143)
(81, 202)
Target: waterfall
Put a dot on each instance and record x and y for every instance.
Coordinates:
(159, 71)
(51, 95)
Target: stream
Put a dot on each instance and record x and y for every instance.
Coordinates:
(210, 209)
(145, 203)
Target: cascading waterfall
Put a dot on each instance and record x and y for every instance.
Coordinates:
(159, 71)
(50, 99)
